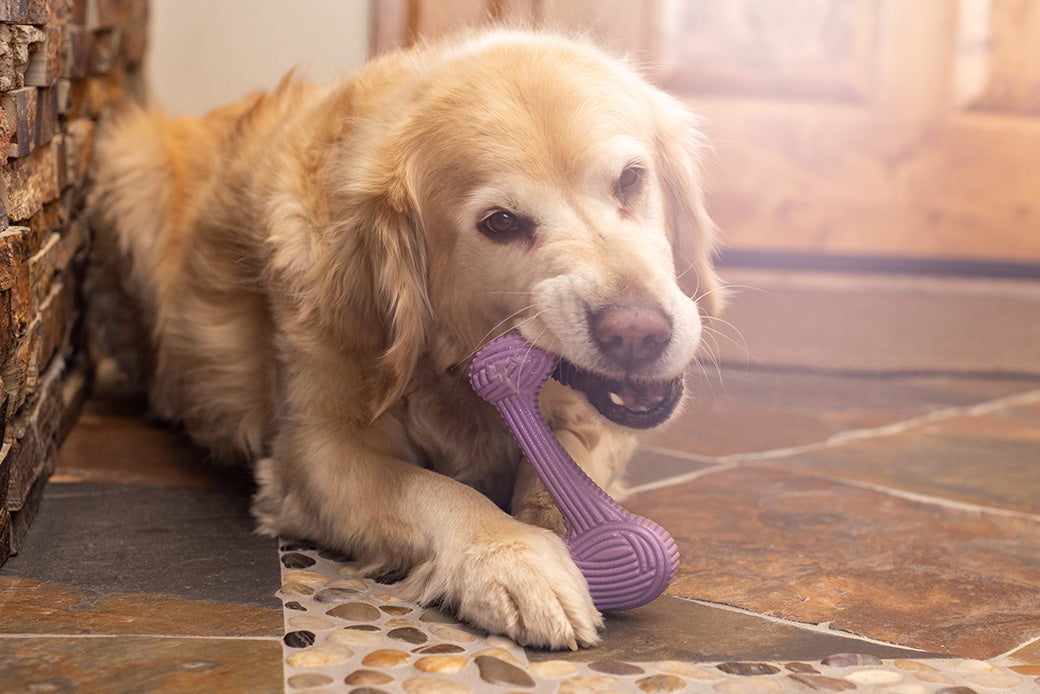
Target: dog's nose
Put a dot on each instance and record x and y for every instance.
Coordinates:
(631, 336)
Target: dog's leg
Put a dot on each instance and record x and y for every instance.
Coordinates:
(500, 574)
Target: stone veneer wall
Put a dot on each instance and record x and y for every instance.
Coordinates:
(65, 65)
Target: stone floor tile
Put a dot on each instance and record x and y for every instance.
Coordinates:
(674, 628)
(194, 542)
(134, 664)
(28, 606)
(735, 411)
(649, 465)
(815, 550)
(990, 460)
(116, 442)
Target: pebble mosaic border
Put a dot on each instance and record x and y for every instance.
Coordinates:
(348, 634)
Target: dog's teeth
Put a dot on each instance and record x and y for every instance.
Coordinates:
(617, 399)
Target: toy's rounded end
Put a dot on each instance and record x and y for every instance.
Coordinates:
(627, 563)
(509, 365)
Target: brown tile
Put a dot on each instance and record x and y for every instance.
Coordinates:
(133, 664)
(110, 444)
(732, 426)
(32, 607)
(988, 460)
(1018, 422)
(672, 628)
(741, 411)
(814, 550)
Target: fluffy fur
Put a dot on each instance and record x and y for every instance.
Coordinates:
(316, 269)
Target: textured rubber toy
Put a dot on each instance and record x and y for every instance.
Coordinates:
(626, 559)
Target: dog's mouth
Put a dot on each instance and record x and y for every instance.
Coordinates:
(628, 403)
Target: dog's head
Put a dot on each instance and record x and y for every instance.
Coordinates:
(531, 183)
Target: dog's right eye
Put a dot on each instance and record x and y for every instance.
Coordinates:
(505, 226)
(629, 183)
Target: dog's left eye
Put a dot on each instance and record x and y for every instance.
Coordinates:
(629, 183)
(504, 226)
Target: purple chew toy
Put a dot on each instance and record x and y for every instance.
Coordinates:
(626, 559)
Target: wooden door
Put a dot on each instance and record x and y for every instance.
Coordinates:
(865, 128)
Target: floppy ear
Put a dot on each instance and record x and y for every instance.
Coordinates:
(362, 274)
(679, 144)
(397, 256)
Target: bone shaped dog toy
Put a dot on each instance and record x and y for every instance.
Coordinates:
(626, 559)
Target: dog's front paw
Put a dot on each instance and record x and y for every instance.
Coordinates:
(516, 580)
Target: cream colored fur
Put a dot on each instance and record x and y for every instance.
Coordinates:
(316, 283)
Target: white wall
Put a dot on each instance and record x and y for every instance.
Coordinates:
(203, 53)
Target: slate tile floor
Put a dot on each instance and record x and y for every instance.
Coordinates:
(862, 508)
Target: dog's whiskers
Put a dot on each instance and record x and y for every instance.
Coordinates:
(710, 357)
(739, 341)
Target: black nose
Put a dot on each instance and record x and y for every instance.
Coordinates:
(631, 336)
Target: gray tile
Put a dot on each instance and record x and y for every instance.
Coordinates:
(196, 543)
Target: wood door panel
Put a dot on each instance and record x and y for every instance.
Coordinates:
(998, 61)
(820, 180)
(785, 49)
(909, 137)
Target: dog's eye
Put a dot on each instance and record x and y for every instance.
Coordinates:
(503, 226)
(629, 183)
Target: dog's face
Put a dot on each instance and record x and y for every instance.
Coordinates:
(557, 195)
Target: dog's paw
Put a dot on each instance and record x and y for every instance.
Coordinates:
(516, 580)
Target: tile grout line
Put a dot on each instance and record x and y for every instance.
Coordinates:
(1027, 398)
(952, 504)
(143, 636)
(1017, 648)
(678, 479)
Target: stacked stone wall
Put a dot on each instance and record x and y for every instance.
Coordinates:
(65, 66)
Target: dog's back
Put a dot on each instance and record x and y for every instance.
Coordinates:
(188, 272)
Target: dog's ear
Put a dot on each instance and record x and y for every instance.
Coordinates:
(398, 259)
(361, 270)
(680, 145)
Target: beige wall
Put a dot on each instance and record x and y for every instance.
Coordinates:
(206, 52)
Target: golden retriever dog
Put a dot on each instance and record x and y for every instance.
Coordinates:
(318, 265)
